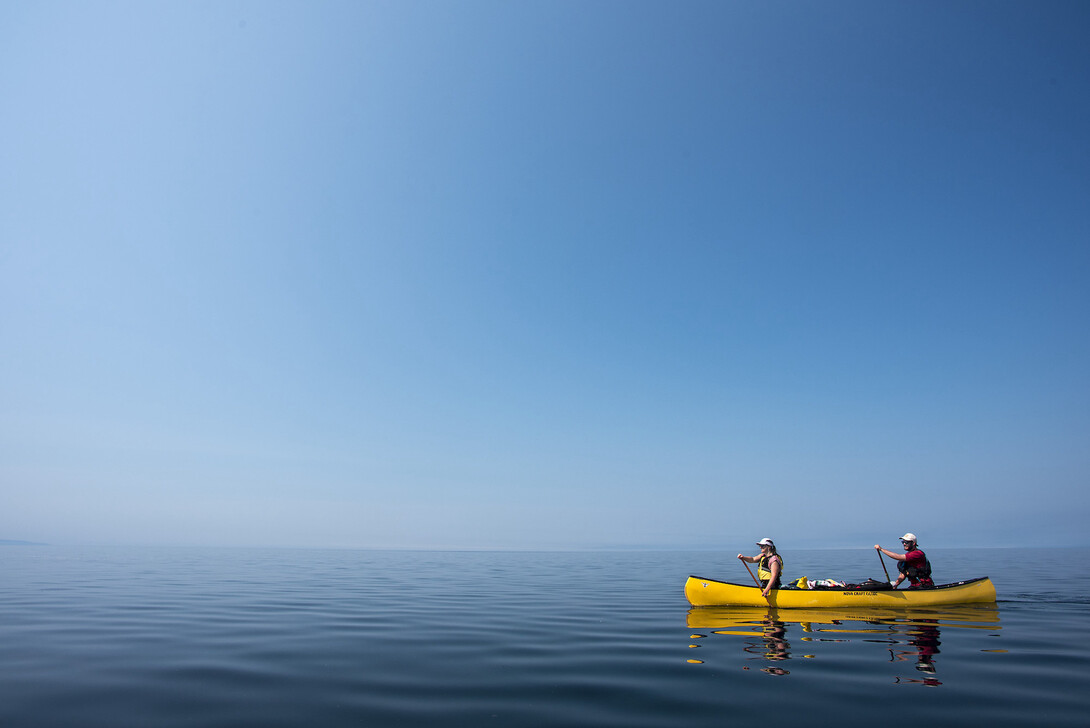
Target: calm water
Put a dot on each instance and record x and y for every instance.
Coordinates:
(202, 637)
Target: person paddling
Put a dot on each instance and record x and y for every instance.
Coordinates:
(912, 564)
(769, 565)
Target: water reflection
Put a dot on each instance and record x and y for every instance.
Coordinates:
(776, 636)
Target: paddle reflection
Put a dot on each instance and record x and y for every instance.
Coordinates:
(770, 635)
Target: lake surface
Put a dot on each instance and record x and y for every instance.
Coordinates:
(234, 637)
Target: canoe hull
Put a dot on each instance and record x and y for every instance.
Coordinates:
(703, 592)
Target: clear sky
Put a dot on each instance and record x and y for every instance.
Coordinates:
(545, 274)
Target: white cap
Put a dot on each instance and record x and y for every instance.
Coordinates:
(765, 542)
(909, 537)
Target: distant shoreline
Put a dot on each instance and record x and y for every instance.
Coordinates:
(8, 542)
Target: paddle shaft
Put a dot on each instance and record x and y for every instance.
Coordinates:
(751, 574)
(883, 565)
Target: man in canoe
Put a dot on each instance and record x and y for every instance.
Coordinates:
(912, 564)
(769, 565)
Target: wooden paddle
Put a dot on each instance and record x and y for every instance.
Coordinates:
(883, 561)
(751, 574)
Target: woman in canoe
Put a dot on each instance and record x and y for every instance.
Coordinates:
(912, 564)
(769, 565)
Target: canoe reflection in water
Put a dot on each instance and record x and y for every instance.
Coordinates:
(906, 636)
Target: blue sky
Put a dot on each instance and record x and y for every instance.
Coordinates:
(544, 274)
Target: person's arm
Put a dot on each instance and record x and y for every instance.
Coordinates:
(892, 554)
(750, 559)
(774, 567)
(896, 557)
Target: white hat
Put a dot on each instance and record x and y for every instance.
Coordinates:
(909, 537)
(765, 542)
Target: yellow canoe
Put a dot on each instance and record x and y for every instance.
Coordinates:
(703, 592)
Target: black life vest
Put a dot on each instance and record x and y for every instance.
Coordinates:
(916, 572)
